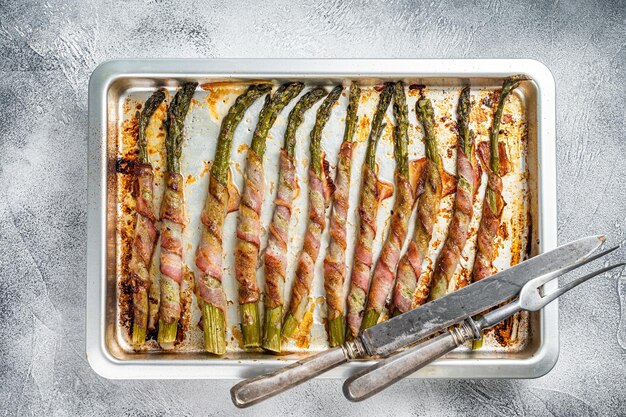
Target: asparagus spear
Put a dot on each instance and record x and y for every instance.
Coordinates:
(248, 228)
(385, 269)
(145, 230)
(320, 191)
(373, 192)
(469, 174)
(172, 216)
(335, 261)
(495, 160)
(209, 253)
(409, 267)
(276, 252)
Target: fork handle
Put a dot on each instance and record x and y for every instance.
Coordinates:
(253, 390)
(372, 380)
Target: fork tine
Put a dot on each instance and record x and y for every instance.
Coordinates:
(539, 281)
(547, 299)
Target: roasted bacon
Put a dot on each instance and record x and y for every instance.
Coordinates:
(209, 253)
(276, 252)
(335, 261)
(407, 178)
(373, 192)
(494, 159)
(468, 173)
(173, 219)
(406, 291)
(320, 191)
(145, 229)
(249, 225)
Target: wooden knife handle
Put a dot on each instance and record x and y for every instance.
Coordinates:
(254, 390)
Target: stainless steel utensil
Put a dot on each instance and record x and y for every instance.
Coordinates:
(408, 328)
(372, 380)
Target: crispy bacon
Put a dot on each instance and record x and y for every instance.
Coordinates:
(171, 247)
(373, 192)
(490, 220)
(385, 270)
(209, 252)
(335, 261)
(469, 180)
(276, 252)
(248, 229)
(406, 291)
(320, 191)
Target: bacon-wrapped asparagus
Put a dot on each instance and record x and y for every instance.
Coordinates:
(335, 261)
(409, 267)
(320, 191)
(209, 252)
(406, 181)
(468, 173)
(276, 252)
(172, 219)
(373, 192)
(145, 230)
(249, 225)
(495, 161)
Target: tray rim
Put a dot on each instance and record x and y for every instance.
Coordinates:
(106, 365)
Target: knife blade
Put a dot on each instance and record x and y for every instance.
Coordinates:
(414, 325)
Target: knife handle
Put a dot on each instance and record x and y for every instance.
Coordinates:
(372, 380)
(262, 387)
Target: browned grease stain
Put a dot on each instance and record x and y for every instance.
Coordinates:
(206, 168)
(296, 188)
(237, 336)
(363, 131)
(243, 148)
(464, 279)
(190, 179)
(503, 332)
(303, 335)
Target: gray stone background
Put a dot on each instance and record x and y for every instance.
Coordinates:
(49, 49)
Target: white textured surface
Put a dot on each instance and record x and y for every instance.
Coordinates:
(49, 50)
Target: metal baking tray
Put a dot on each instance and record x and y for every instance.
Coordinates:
(115, 84)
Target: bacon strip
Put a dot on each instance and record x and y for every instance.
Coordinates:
(143, 243)
(335, 261)
(248, 229)
(406, 291)
(171, 247)
(490, 221)
(276, 252)
(385, 270)
(320, 191)
(469, 173)
(373, 192)
(209, 252)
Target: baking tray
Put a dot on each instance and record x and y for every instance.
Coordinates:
(114, 84)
